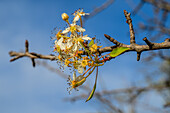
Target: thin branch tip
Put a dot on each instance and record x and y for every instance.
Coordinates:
(131, 30)
(26, 46)
(150, 44)
(33, 62)
(112, 40)
(167, 40)
(138, 56)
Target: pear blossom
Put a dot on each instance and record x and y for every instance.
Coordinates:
(78, 14)
(60, 44)
(73, 28)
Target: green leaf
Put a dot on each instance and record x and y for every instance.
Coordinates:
(91, 43)
(94, 87)
(118, 51)
(92, 93)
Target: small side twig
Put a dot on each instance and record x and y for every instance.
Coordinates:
(99, 9)
(150, 44)
(26, 46)
(129, 21)
(138, 56)
(160, 4)
(27, 50)
(112, 40)
(33, 62)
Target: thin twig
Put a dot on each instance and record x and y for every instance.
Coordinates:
(150, 44)
(162, 4)
(129, 21)
(112, 40)
(99, 9)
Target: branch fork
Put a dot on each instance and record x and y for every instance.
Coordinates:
(31, 55)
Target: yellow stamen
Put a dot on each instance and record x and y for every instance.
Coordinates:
(93, 48)
(67, 62)
(84, 63)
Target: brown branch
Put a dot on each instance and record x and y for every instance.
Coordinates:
(167, 105)
(52, 69)
(148, 42)
(160, 54)
(26, 46)
(140, 48)
(138, 56)
(129, 21)
(138, 90)
(31, 55)
(33, 62)
(100, 9)
(112, 40)
(138, 7)
(137, 48)
(135, 92)
(160, 4)
(15, 58)
(133, 46)
(108, 103)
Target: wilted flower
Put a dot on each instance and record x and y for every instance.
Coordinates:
(77, 81)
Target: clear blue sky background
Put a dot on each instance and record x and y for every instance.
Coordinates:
(24, 89)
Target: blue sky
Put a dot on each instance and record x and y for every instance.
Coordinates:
(24, 89)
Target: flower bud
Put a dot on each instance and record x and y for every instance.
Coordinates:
(64, 16)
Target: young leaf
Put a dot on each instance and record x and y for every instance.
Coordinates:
(94, 87)
(118, 51)
(91, 43)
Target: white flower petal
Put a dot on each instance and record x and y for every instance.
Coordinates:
(66, 30)
(75, 47)
(56, 43)
(80, 69)
(74, 75)
(86, 38)
(83, 14)
(69, 43)
(80, 28)
(76, 18)
(79, 45)
(61, 44)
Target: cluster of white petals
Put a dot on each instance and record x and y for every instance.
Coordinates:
(70, 45)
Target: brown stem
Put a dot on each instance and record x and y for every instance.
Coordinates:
(129, 21)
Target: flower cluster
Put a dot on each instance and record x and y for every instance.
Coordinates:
(76, 50)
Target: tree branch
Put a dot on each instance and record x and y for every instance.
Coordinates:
(99, 9)
(133, 46)
(129, 21)
(31, 55)
(160, 4)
